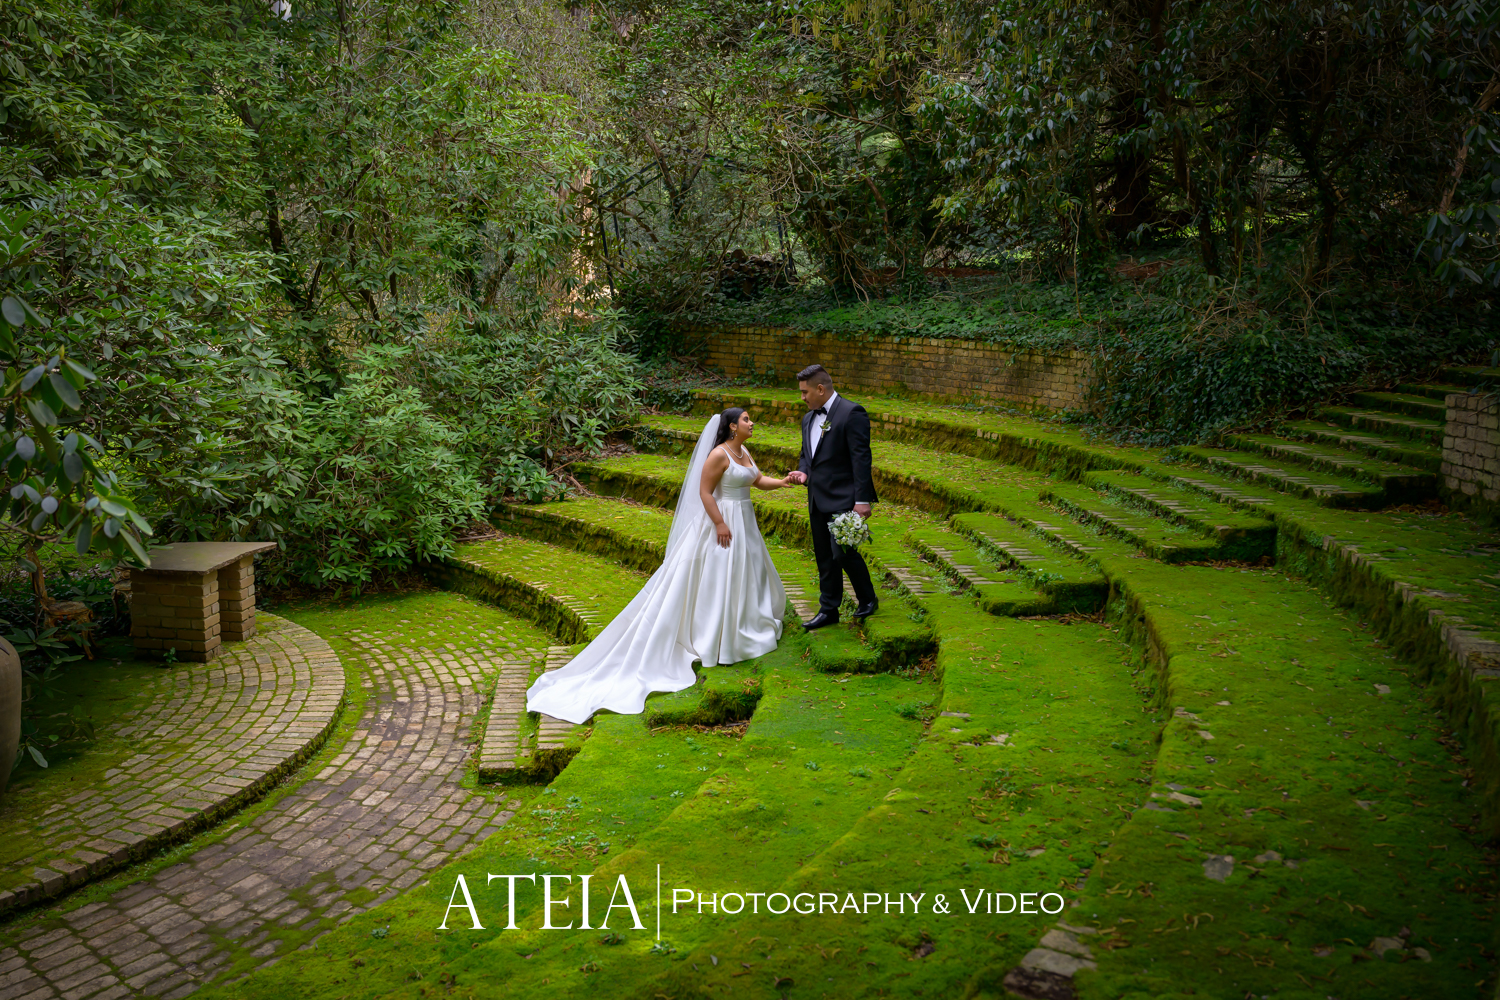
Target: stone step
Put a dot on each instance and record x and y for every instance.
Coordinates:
(1156, 536)
(798, 598)
(1056, 558)
(545, 750)
(890, 555)
(500, 757)
(570, 594)
(999, 589)
(911, 578)
(1471, 375)
(1407, 404)
(1430, 390)
(1227, 490)
(1240, 536)
(725, 693)
(517, 747)
(1400, 450)
(1328, 489)
(1389, 424)
(1399, 482)
(633, 535)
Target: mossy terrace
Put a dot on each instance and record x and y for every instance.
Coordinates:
(1235, 707)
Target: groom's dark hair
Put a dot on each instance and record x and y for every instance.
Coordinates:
(815, 375)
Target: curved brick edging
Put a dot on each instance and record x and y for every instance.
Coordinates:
(384, 810)
(248, 719)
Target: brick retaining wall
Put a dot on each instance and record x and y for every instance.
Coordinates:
(964, 371)
(1471, 453)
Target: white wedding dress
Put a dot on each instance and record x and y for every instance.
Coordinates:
(707, 603)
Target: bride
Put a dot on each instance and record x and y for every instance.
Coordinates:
(716, 597)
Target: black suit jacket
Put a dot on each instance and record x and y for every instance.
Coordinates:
(838, 476)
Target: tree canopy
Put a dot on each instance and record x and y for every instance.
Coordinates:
(341, 276)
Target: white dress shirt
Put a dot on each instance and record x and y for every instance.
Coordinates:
(815, 432)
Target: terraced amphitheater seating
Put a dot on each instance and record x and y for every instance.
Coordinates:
(1034, 519)
(1080, 644)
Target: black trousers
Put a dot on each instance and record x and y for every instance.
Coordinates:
(831, 571)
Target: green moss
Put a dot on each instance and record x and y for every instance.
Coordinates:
(831, 788)
(1304, 739)
(633, 536)
(104, 692)
(963, 815)
(1025, 759)
(1407, 571)
(723, 695)
(571, 595)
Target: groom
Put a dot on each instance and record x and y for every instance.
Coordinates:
(835, 466)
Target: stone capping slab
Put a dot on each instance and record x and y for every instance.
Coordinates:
(202, 557)
(246, 721)
(1472, 654)
(502, 734)
(552, 734)
(509, 753)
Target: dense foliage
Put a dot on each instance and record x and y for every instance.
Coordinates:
(339, 277)
(303, 278)
(1314, 182)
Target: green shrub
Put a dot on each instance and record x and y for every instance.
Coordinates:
(384, 481)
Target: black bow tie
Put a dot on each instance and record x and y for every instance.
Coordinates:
(822, 409)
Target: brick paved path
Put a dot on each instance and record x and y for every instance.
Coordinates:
(214, 736)
(385, 811)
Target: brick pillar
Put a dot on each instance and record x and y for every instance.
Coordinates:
(175, 611)
(237, 600)
(1471, 454)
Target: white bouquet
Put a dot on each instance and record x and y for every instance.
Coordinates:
(849, 530)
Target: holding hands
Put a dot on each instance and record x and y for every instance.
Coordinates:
(795, 478)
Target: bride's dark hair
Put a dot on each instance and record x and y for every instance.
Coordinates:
(727, 420)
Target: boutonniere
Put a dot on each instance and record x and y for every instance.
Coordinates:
(823, 426)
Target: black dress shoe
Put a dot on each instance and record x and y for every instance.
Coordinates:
(819, 620)
(865, 610)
